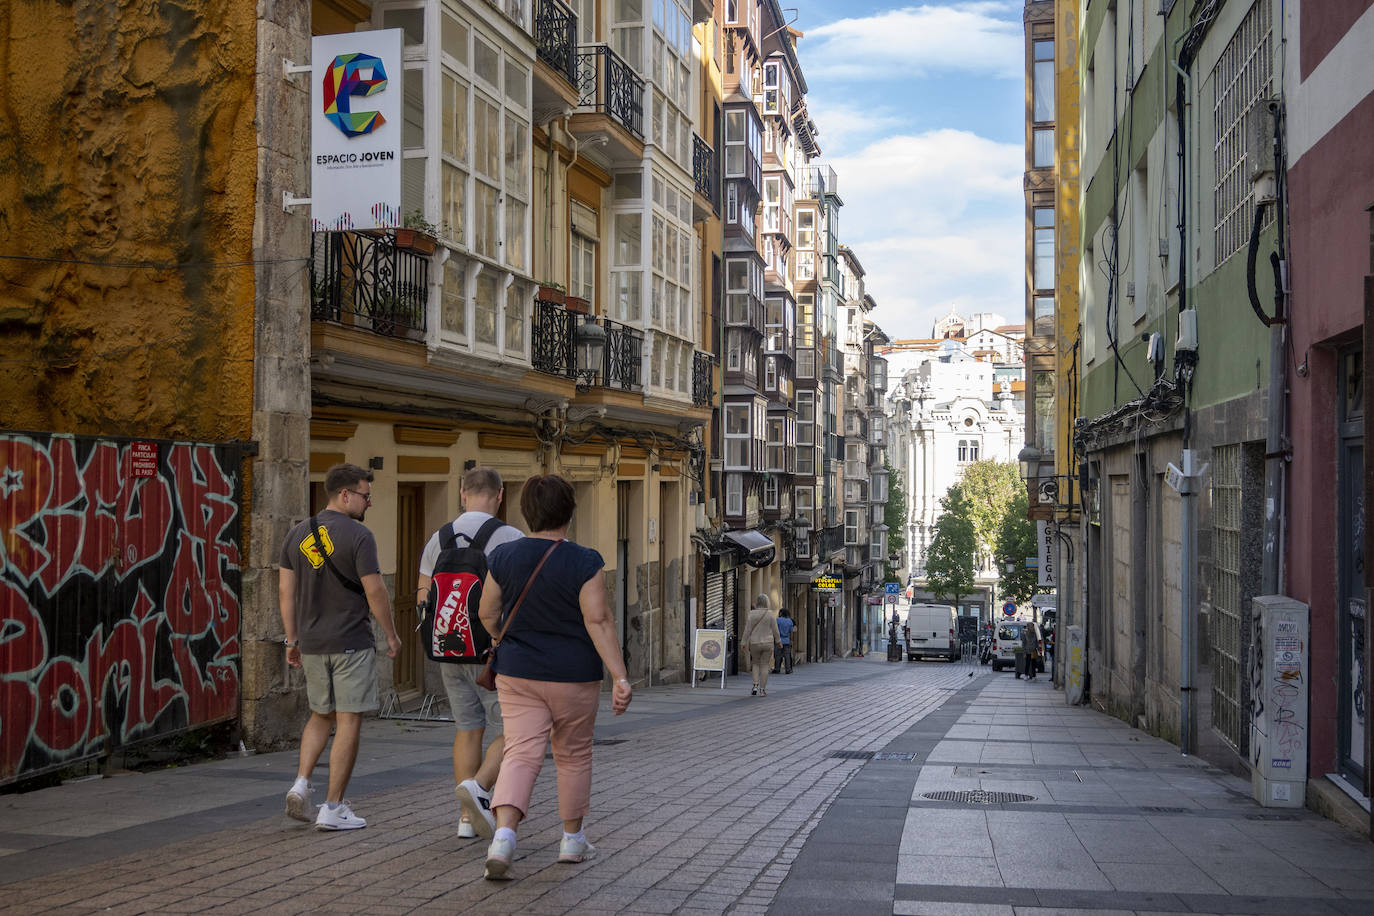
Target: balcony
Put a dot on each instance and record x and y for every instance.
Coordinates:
(610, 103)
(555, 38)
(554, 348)
(817, 182)
(703, 368)
(551, 339)
(706, 172)
(365, 281)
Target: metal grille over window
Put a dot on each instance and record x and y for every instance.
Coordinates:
(1229, 713)
(1242, 77)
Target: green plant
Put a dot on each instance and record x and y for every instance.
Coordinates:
(415, 219)
(553, 284)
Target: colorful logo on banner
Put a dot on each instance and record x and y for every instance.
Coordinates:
(349, 75)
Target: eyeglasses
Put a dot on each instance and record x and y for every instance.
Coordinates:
(367, 497)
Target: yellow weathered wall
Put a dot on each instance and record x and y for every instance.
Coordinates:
(128, 140)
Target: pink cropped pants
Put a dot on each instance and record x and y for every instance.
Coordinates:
(560, 713)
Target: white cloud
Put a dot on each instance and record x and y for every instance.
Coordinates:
(936, 220)
(965, 37)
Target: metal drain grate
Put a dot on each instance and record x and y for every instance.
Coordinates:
(906, 758)
(1271, 817)
(979, 797)
(852, 755)
(1162, 809)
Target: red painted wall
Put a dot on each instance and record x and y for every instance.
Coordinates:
(1329, 189)
(1323, 24)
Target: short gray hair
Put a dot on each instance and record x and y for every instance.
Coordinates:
(481, 480)
(761, 601)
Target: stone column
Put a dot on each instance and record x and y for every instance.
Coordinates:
(278, 490)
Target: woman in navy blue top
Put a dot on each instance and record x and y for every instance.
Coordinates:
(549, 666)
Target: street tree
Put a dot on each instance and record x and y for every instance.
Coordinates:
(894, 516)
(1015, 542)
(953, 549)
(990, 487)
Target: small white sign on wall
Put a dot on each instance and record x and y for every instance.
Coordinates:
(355, 130)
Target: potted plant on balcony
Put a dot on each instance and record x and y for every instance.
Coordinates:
(577, 304)
(417, 234)
(550, 291)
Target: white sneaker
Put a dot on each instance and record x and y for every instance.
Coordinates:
(476, 802)
(499, 855)
(340, 818)
(298, 804)
(465, 831)
(571, 851)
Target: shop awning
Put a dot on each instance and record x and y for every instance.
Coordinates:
(758, 549)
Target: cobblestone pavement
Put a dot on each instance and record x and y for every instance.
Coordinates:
(702, 800)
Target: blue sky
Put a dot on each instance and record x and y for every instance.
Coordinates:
(921, 113)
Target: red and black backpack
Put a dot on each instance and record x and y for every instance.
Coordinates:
(449, 624)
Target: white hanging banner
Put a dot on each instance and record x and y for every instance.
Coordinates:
(1044, 536)
(355, 130)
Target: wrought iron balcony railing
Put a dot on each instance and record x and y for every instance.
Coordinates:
(706, 171)
(609, 85)
(702, 365)
(364, 280)
(621, 360)
(555, 350)
(555, 37)
(551, 339)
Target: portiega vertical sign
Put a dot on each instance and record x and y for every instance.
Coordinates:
(1045, 532)
(355, 135)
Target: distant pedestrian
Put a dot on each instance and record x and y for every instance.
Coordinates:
(551, 596)
(329, 581)
(783, 658)
(1030, 649)
(761, 634)
(474, 709)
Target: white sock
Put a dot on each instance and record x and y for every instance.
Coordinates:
(580, 836)
(505, 833)
(300, 785)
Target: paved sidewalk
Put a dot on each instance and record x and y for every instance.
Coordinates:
(711, 801)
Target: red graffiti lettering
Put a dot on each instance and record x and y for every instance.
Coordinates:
(71, 532)
(197, 598)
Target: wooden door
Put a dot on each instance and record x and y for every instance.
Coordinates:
(410, 541)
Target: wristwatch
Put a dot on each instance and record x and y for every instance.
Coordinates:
(622, 680)
(291, 643)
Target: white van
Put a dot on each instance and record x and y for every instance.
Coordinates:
(933, 631)
(1008, 643)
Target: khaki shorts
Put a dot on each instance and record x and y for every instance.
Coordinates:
(473, 707)
(342, 682)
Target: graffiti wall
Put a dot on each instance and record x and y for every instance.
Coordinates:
(119, 594)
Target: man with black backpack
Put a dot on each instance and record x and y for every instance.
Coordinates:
(454, 563)
(329, 581)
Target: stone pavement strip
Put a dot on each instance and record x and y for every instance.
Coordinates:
(813, 799)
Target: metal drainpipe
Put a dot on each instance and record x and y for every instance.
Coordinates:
(1188, 492)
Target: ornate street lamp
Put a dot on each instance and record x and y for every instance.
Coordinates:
(590, 339)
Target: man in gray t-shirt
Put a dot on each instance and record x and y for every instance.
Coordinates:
(329, 581)
(473, 708)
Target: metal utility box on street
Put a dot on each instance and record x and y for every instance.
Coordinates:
(1278, 718)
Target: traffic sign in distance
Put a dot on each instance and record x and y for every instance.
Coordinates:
(892, 588)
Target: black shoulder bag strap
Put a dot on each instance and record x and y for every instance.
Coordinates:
(489, 527)
(355, 587)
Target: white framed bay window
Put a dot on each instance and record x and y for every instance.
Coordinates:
(473, 88)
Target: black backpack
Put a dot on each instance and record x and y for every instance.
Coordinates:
(449, 624)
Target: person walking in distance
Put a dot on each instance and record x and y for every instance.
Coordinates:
(760, 636)
(329, 581)
(785, 627)
(474, 708)
(546, 605)
(1030, 649)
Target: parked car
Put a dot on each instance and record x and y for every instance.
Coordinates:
(933, 632)
(1008, 642)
